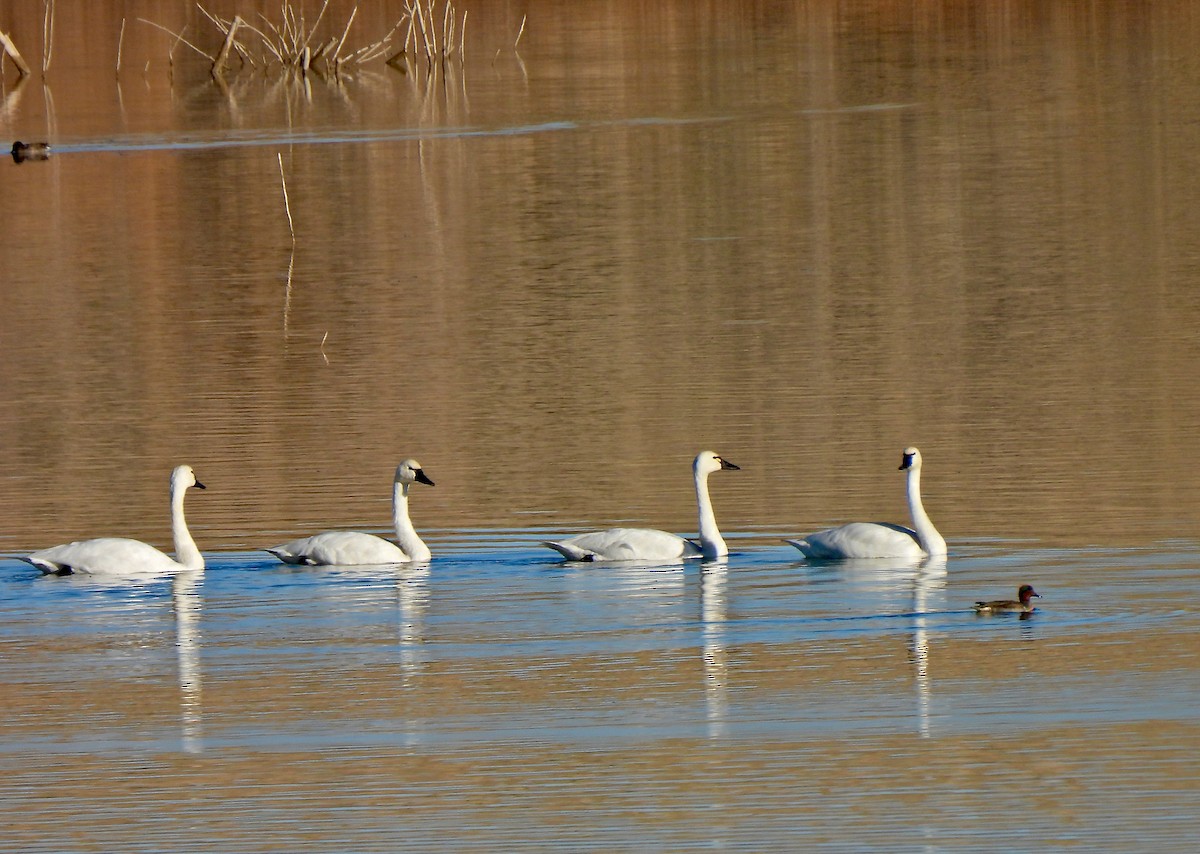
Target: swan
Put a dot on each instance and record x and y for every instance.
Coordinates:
(881, 539)
(351, 548)
(649, 544)
(122, 556)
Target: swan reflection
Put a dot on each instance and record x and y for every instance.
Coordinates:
(928, 578)
(186, 600)
(714, 613)
(412, 597)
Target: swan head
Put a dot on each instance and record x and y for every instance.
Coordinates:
(410, 471)
(911, 461)
(708, 462)
(183, 477)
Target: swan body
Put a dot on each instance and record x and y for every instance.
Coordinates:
(1020, 605)
(858, 540)
(651, 544)
(123, 556)
(352, 548)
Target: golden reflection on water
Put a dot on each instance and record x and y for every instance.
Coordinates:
(979, 255)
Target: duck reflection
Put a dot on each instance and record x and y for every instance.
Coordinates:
(714, 613)
(186, 600)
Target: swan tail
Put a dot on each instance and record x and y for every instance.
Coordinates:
(47, 567)
(803, 545)
(569, 551)
(287, 557)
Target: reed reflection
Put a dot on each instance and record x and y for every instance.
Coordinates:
(186, 601)
(714, 613)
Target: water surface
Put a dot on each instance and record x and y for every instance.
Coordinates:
(802, 237)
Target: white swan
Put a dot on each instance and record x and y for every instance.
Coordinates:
(351, 548)
(649, 544)
(121, 556)
(881, 539)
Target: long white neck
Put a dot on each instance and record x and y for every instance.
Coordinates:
(927, 535)
(406, 535)
(711, 542)
(186, 552)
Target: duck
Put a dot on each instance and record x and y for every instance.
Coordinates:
(861, 540)
(353, 548)
(22, 151)
(648, 544)
(1020, 605)
(120, 556)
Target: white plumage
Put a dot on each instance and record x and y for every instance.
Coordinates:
(123, 556)
(651, 544)
(881, 539)
(351, 548)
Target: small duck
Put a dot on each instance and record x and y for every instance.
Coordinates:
(1020, 605)
(22, 151)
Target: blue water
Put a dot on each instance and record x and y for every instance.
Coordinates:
(518, 700)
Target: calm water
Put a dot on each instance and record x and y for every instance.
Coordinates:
(804, 237)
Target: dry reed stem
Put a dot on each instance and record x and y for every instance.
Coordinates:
(520, 32)
(120, 44)
(47, 36)
(219, 63)
(286, 204)
(10, 50)
(178, 38)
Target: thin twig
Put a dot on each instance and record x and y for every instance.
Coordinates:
(178, 38)
(520, 32)
(286, 204)
(120, 44)
(47, 36)
(10, 50)
(218, 66)
(338, 50)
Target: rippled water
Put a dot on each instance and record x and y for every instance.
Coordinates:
(805, 236)
(499, 697)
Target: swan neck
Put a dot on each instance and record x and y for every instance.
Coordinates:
(711, 542)
(186, 552)
(406, 535)
(927, 535)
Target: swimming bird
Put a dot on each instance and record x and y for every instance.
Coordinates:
(122, 556)
(22, 151)
(351, 548)
(1020, 605)
(881, 539)
(650, 544)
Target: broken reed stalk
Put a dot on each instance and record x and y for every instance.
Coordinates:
(10, 50)
(286, 204)
(47, 36)
(120, 44)
(520, 32)
(218, 66)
